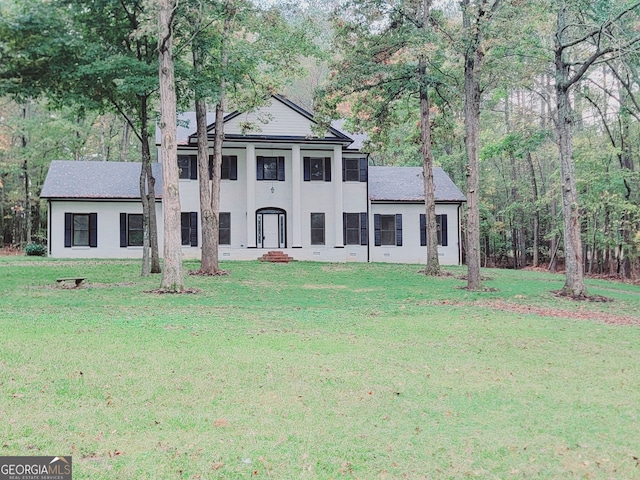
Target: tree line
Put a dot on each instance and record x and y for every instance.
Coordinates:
(530, 106)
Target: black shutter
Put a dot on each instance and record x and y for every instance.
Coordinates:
(344, 170)
(280, 169)
(344, 228)
(193, 171)
(233, 167)
(364, 167)
(443, 230)
(210, 167)
(260, 168)
(193, 229)
(376, 229)
(123, 230)
(327, 169)
(423, 229)
(93, 229)
(363, 229)
(68, 223)
(398, 229)
(307, 169)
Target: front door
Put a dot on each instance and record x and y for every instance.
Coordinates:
(271, 228)
(270, 238)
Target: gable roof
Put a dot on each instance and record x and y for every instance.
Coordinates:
(96, 180)
(406, 184)
(290, 123)
(186, 127)
(296, 128)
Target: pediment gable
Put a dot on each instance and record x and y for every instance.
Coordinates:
(278, 119)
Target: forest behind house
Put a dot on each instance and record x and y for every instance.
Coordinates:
(373, 63)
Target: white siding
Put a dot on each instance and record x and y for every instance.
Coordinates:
(275, 119)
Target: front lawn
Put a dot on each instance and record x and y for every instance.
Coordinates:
(310, 370)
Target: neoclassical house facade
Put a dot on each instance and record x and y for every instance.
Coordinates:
(284, 187)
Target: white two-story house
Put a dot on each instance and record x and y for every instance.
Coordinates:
(283, 187)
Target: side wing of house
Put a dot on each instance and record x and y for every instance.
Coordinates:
(94, 209)
(398, 216)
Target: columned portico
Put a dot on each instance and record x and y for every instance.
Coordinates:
(251, 196)
(337, 185)
(296, 223)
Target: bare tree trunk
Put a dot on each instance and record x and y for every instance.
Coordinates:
(210, 190)
(172, 276)
(536, 215)
(472, 66)
(27, 190)
(433, 262)
(150, 253)
(146, 259)
(209, 252)
(124, 144)
(574, 281)
(553, 243)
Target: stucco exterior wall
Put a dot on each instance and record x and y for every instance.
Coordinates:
(411, 251)
(108, 232)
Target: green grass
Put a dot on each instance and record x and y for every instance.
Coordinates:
(312, 370)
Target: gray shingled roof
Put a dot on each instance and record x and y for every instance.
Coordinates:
(96, 180)
(358, 138)
(405, 184)
(187, 126)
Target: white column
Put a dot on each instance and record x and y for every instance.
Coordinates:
(337, 188)
(296, 214)
(251, 196)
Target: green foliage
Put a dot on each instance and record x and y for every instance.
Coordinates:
(264, 49)
(35, 250)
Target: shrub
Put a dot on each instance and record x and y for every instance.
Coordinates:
(35, 250)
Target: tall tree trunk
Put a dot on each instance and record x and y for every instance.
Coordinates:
(124, 144)
(25, 172)
(472, 67)
(574, 281)
(536, 213)
(515, 214)
(209, 252)
(625, 157)
(433, 262)
(553, 242)
(144, 198)
(150, 251)
(210, 190)
(172, 276)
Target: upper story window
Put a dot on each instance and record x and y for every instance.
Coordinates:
(188, 167)
(317, 168)
(354, 169)
(270, 168)
(388, 229)
(228, 169)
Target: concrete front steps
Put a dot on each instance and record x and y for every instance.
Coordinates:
(276, 257)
